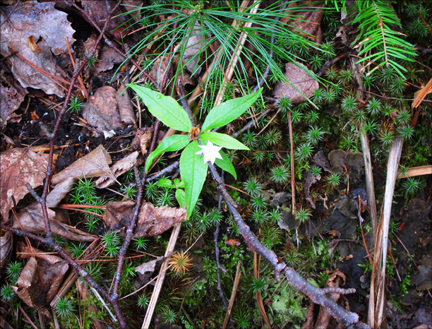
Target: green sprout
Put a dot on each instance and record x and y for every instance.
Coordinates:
(75, 105)
(252, 186)
(302, 215)
(279, 174)
(64, 308)
(7, 293)
(334, 180)
(140, 243)
(259, 202)
(13, 271)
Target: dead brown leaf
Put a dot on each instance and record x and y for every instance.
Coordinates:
(310, 180)
(118, 213)
(131, 5)
(108, 110)
(156, 220)
(125, 108)
(298, 78)
(94, 164)
(19, 166)
(105, 100)
(119, 168)
(32, 291)
(142, 140)
(195, 45)
(99, 11)
(306, 23)
(31, 220)
(321, 160)
(309, 317)
(148, 267)
(59, 192)
(6, 243)
(44, 23)
(159, 69)
(151, 220)
(10, 100)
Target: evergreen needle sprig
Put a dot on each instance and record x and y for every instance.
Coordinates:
(376, 36)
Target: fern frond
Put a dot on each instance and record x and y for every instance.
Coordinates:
(383, 45)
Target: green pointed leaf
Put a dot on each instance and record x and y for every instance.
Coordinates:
(178, 183)
(226, 164)
(169, 144)
(230, 110)
(180, 197)
(193, 172)
(164, 182)
(165, 108)
(223, 140)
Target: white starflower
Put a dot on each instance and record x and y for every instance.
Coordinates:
(210, 151)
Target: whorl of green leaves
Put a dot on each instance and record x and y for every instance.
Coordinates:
(213, 24)
(384, 45)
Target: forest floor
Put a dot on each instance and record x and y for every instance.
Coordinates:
(301, 187)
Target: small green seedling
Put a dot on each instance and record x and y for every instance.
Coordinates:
(193, 170)
(178, 185)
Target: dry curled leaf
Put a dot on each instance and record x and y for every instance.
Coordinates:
(148, 267)
(305, 23)
(6, 243)
(49, 28)
(321, 160)
(94, 164)
(102, 110)
(156, 220)
(142, 140)
(33, 45)
(125, 108)
(59, 192)
(18, 167)
(347, 161)
(99, 11)
(310, 180)
(30, 219)
(32, 291)
(151, 220)
(195, 45)
(298, 77)
(11, 97)
(119, 168)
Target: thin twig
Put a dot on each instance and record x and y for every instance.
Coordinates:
(131, 227)
(10, 13)
(233, 294)
(158, 286)
(290, 128)
(27, 317)
(294, 279)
